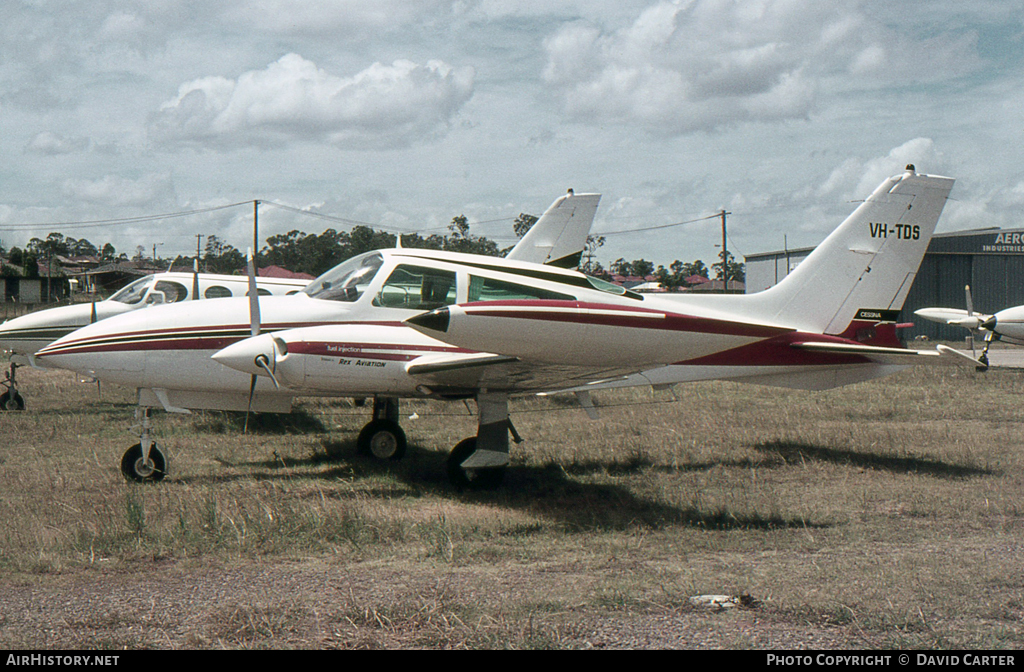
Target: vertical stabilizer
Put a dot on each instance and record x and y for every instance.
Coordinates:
(864, 269)
(560, 235)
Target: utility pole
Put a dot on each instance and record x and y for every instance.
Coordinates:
(725, 253)
(255, 234)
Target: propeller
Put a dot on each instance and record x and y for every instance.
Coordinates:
(254, 327)
(970, 315)
(974, 322)
(195, 279)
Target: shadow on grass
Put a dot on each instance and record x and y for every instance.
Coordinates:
(548, 491)
(639, 463)
(299, 421)
(795, 453)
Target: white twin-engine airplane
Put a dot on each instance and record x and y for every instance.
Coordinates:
(513, 329)
(1006, 325)
(165, 351)
(25, 335)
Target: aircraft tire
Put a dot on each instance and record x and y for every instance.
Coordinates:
(382, 439)
(471, 479)
(134, 469)
(11, 401)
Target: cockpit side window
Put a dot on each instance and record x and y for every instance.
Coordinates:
(172, 291)
(489, 289)
(417, 288)
(347, 281)
(133, 293)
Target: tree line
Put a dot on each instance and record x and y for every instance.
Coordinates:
(314, 254)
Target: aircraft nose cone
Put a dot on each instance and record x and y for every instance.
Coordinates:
(242, 355)
(435, 320)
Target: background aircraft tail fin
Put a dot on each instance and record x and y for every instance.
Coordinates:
(559, 236)
(857, 279)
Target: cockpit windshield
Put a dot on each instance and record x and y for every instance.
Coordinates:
(348, 281)
(133, 293)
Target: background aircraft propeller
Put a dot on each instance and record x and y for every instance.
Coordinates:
(254, 326)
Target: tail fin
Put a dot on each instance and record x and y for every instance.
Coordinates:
(559, 236)
(861, 274)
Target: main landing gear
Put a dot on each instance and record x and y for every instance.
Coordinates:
(383, 437)
(144, 462)
(10, 400)
(983, 360)
(476, 463)
(480, 462)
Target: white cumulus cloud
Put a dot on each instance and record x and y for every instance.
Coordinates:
(395, 105)
(707, 64)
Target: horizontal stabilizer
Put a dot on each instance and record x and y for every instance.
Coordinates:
(941, 355)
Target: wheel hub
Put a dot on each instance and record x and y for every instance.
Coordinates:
(383, 445)
(144, 468)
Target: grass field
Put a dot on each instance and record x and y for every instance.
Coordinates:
(882, 515)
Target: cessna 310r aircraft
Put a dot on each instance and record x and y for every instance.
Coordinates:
(1006, 325)
(25, 335)
(515, 329)
(165, 352)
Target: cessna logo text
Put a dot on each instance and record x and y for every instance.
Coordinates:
(877, 315)
(897, 231)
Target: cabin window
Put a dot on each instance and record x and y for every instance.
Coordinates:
(417, 288)
(217, 292)
(489, 289)
(347, 281)
(260, 291)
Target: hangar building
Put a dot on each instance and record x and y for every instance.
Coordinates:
(991, 261)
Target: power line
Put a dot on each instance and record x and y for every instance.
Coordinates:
(654, 228)
(95, 223)
(343, 220)
(318, 215)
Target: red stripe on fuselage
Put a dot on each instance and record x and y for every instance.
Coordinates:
(164, 339)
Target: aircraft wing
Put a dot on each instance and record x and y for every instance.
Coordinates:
(473, 371)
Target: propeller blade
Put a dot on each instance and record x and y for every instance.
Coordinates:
(92, 314)
(970, 302)
(248, 408)
(195, 278)
(254, 300)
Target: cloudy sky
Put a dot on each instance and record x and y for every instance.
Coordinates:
(405, 113)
